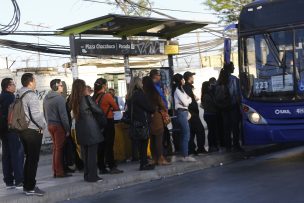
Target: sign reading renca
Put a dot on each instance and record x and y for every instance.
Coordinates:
(95, 47)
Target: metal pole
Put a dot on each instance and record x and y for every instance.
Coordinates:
(199, 49)
(171, 73)
(74, 66)
(127, 67)
(6, 62)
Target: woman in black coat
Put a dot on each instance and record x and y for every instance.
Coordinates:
(140, 109)
(88, 132)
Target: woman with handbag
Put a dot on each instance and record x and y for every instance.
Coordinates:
(182, 101)
(140, 110)
(157, 122)
(85, 112)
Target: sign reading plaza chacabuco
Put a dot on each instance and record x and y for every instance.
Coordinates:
(95, 47)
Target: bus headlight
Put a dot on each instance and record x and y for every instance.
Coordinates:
(253, 116)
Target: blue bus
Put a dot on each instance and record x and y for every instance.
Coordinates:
(271, 63)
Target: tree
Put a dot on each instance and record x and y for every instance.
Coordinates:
(229, 10)
(135, 7)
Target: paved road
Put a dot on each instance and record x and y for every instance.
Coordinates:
(274, 178)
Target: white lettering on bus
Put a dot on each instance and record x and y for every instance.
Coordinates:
(282, 111)
(300, 111)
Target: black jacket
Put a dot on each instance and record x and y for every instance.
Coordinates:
(6, 99)
(87, 129)
(208, 103)
(140, 104)
(193, 107)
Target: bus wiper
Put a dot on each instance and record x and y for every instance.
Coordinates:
(273, 48)
(284, 65)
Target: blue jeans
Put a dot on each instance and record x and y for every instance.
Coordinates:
(182, 117)
(12, 159)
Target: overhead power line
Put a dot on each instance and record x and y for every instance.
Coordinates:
(155, 8)
(13, 25)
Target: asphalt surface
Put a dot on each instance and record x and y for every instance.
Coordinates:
(273, 178)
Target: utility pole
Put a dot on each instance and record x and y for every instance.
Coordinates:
(74, 65)
(38, 27)
(199, 49)
(6, 62)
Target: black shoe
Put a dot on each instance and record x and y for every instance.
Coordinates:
(147, 167)
(104, 171)
(19, 186)
(194, 153)
(36, 191)
(10, 186)
(202, 151)
(238, 149)
(213, 149)
(115, 171)
(63, 176)
(97, 180)
(68, 170)
(228, 149)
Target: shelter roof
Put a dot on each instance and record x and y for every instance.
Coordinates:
(121, 25)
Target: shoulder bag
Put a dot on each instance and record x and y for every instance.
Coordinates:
(139, 130)
(100, 118)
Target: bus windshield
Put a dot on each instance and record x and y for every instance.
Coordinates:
(273, 66)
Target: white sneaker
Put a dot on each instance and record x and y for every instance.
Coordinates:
(188, 159)
(174, 159)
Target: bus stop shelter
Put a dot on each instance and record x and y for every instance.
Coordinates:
(124, 29)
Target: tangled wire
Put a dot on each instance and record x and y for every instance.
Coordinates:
(14, 22)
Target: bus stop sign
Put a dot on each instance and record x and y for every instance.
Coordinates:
(97, 47)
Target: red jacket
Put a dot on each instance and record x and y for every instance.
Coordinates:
(107, 104)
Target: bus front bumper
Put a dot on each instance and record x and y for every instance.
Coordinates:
(267, 134)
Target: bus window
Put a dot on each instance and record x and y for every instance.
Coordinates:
(299, 57)
(269, 66)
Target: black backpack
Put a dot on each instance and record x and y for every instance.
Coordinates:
(222, 97)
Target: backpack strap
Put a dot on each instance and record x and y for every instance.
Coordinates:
(99, 102)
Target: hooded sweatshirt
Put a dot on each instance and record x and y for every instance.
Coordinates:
(31, 103)
(54, 107)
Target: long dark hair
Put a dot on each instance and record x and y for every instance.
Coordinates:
(98, 86)
(177, 82)
(150, 90)
(77, 93)
(223, 77)
(135, 84)
(205, 89)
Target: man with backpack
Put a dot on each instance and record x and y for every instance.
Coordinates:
(227, 96)
(235, 111)
(55, 114)
(12, 149)
(30, 127)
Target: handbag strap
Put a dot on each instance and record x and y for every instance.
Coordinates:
(99, 102)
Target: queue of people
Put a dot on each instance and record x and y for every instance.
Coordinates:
(93, 119)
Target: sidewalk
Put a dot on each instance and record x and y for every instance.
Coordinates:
(73, 187)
